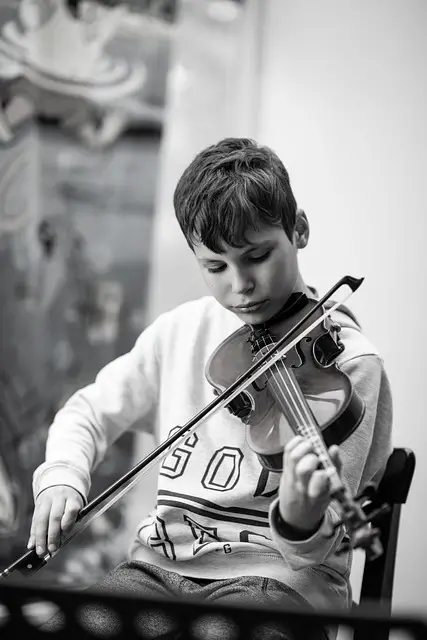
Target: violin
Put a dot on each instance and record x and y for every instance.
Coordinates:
(286, 381)
(305, 393)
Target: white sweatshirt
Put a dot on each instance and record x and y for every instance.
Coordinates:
(213, 517)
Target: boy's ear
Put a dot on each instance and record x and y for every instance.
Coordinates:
(302, 229)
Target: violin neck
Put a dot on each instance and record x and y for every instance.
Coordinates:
(337, 486)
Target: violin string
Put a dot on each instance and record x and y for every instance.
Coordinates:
(300, 411)
(297, 411)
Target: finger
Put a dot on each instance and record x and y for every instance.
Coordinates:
(300, 450)
(319, 485)
(36, 514)
(32, 538)
(54, 532)
(293, 442)
(305, 469)
(335, 455)
(41, 525)
(71, 512)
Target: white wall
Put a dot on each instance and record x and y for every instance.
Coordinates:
(344, 103)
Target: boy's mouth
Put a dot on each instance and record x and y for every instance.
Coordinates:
(250, 308)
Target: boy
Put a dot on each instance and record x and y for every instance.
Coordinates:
(223, 529)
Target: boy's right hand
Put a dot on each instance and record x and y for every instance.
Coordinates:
(54, 515)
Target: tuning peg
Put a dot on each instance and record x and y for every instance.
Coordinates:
(376, 514)
(368, 493)
(367, 539)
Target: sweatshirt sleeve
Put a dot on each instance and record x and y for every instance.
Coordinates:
(122, 397)
(364, 456)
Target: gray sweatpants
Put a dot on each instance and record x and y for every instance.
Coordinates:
(143, 580)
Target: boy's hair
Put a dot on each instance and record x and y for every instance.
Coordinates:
(230, 188)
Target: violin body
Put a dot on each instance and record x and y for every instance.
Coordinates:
(269, 415)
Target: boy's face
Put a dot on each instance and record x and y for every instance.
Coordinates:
(255, 281)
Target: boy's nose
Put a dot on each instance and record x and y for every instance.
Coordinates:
(242, 283)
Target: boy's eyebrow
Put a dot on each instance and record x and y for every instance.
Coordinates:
(257, 245)
(206, 260)
(251, 246)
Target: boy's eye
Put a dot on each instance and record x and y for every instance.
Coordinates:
(251, 258)
(260, 258)
(216, 269)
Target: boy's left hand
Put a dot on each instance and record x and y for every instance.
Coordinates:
(304, 491)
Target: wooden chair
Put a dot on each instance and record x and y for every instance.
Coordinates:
(378, 575)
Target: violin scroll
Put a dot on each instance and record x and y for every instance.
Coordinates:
(360, 517)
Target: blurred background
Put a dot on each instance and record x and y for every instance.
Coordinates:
(103, 104)
(81, 123)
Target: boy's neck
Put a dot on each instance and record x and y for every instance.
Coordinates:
(302, 287)
(296, 302)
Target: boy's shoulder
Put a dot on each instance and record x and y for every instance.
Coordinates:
(199, 315)
(355, 341)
